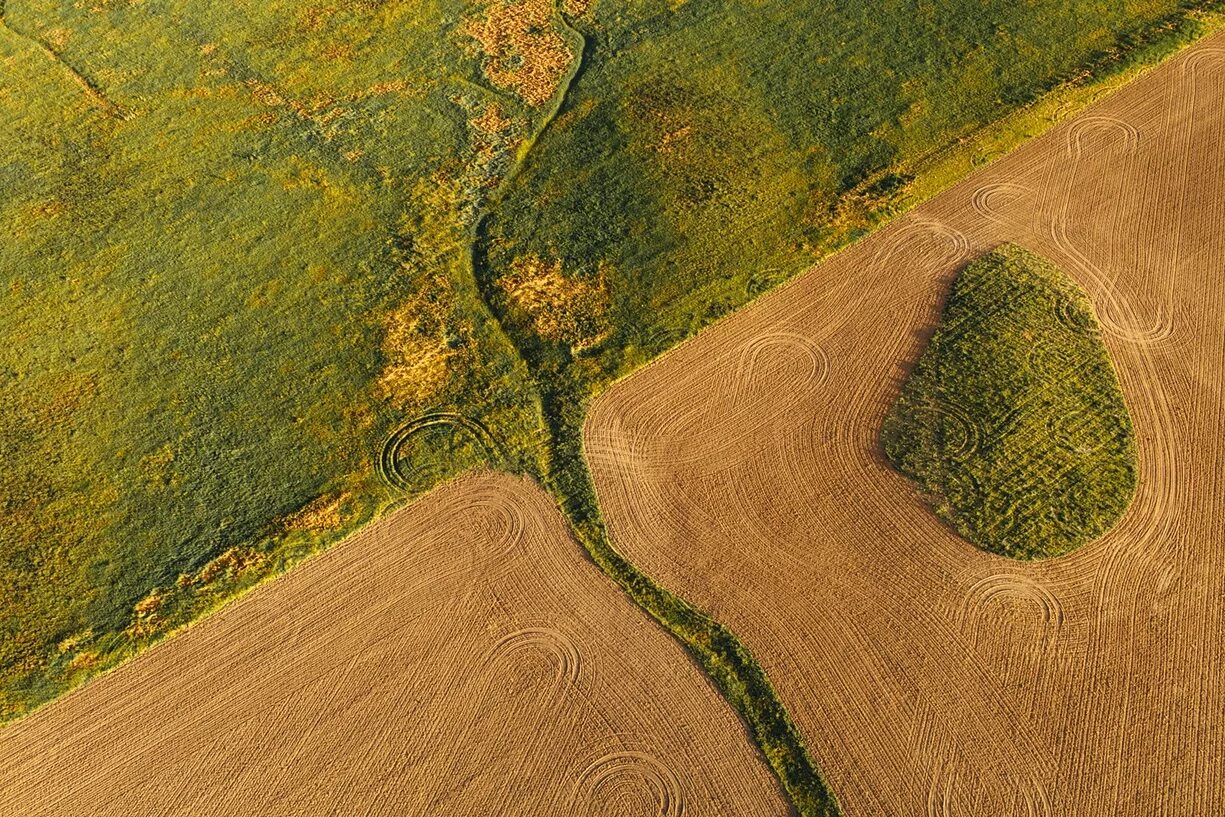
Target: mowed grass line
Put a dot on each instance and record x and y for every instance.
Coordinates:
(1013, 421)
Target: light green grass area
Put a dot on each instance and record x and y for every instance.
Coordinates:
(271, 268)
(236, 259)
(1013, 421)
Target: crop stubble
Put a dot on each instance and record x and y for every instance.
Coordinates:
(744, 472)
(459, 656)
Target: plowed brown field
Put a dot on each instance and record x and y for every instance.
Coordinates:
(460, 657)
(744, 472)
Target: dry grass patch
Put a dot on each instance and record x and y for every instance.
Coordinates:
(321, 514)
(523, 49)
(563, 308)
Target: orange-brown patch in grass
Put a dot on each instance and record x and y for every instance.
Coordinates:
(230, 563)
(49, 209)
(425, 337)
(494, 137)
(57, 38)
(523, 49)
(492, 120)
(391, 86)
(314, 18)
(671, 138)
(84, 660)
(322, 513)
(337, 53)
(146, 615)
(416, 347)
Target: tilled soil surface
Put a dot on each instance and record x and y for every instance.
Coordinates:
(744, 471)
(459, 657)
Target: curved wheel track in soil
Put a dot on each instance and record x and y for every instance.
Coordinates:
(459, 656)
(655, 788)
(926, 676)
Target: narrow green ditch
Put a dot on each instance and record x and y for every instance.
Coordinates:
(725, 659)
(716, 649)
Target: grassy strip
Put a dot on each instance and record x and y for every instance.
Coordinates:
(729, 664)
(732, 668)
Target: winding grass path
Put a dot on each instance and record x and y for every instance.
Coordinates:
(716, 649)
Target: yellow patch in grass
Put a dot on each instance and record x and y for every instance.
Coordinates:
(57, 38)
(424, 336)
(320, 514)
(230, 563)
(563, 308)
(416, 348)
(146, 618)
(492, 121)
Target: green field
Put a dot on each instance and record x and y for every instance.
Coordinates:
(270, 268)
(1013, 421)
(240, 261)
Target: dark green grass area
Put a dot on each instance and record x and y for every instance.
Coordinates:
(1013, 420)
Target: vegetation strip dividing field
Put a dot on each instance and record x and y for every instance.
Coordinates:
(729, 664)
(326, 198)
(1013, 421)
(726, 661)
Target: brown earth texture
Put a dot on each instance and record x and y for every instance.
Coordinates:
(459, 657)
(744, 471)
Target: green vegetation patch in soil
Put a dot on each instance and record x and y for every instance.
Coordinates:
(1013, 420)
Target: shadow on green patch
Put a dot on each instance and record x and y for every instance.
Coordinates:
(1013, 422)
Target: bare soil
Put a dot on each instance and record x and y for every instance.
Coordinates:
(744, 472)
(459, 657)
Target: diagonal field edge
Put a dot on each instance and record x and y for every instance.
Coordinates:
(732, 668)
